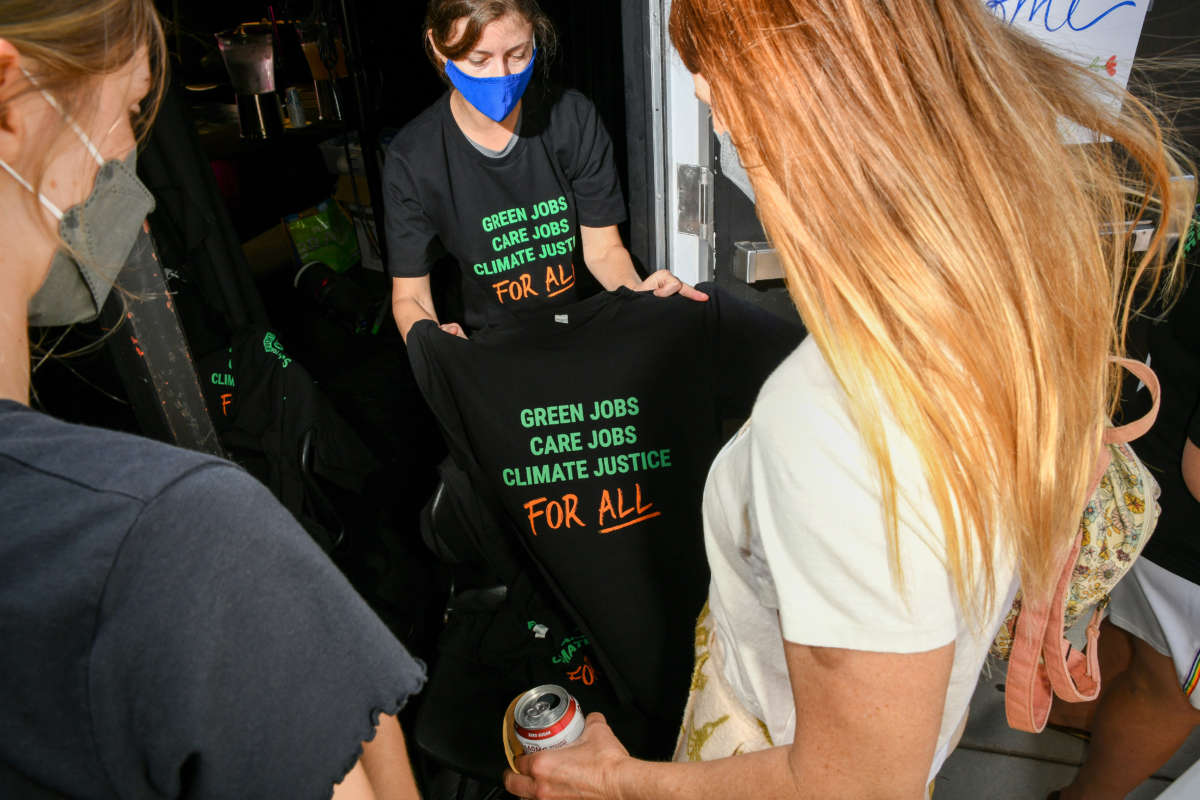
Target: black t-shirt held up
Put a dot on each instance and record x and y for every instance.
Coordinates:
(512, 222)
(169, 630)
(592, 426)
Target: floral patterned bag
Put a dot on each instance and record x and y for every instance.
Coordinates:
(1114, 527)
(715, 723)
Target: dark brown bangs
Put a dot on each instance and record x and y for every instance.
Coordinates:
(441, 16)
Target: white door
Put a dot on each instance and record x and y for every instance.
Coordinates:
(682, 182)
(704, 217)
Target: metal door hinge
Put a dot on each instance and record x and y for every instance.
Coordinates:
(695, 200)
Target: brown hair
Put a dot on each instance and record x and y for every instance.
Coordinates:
(442, 14)
(70, 44)
(944, 245)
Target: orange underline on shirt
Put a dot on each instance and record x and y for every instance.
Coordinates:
(570, 285)
(631, 522)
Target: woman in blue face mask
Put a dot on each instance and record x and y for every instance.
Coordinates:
(512, 179)
(167, 628)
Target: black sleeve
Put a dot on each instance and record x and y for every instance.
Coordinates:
(412, 238)
(231, 657)
(749, 343)
(422, 343)
(463, 481)
(589, 164)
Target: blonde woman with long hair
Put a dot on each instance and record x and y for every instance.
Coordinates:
(928, 448)
(167, 629)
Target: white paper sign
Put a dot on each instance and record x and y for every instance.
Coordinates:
(1102, 35)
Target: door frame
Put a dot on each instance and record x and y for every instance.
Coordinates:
(666, 127)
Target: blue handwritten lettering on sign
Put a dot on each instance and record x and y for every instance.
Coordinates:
(1053, 17)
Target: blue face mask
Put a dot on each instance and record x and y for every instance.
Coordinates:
(494, 97)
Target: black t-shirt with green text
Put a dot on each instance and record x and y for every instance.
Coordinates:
(592, 426)
(511, 222)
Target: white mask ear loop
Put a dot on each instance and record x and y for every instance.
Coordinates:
(83, 137)
(53, 209)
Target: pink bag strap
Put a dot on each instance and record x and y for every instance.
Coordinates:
(1138, 428)
(1042, 662)
(1074, 676)
(1131, 430)
(1027, 690)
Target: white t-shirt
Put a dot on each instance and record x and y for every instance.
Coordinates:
(794, 527)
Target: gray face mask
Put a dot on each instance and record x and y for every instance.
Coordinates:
(99, 235)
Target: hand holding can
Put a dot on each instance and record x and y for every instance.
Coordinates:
(595, 766)
(544, 718)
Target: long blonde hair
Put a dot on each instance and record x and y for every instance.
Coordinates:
(944, 246)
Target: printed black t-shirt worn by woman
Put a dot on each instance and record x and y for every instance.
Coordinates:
(511, 221)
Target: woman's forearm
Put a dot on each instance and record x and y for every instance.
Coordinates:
(856, 739)
(385, 759)
(598, 767)
(765, 775)
(407, 311)
(614, 268)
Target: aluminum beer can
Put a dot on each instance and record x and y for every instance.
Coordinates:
(547, 717)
